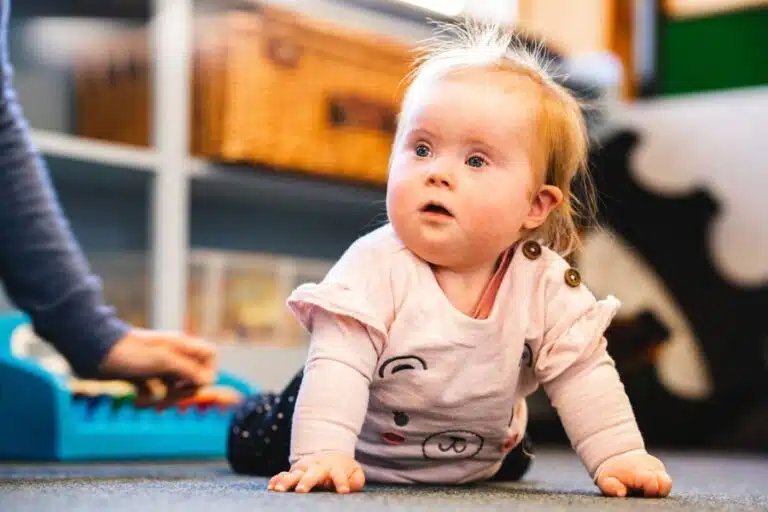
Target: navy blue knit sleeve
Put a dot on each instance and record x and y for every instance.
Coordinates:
(41, 265)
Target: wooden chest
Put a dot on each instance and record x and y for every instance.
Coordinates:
(268, 87)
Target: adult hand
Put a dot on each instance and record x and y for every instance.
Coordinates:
(182, 362)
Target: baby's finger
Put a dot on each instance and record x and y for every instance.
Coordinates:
(313, 476)
(275, 479)
(665, 483)
(357, 479)
(646, 480)
(278, 479)
(287, 481)
(340, 479)
(612, 486)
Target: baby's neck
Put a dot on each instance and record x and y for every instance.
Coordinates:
(463, 287)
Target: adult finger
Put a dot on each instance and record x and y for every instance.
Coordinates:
(171, 363)
(181, 387)
(193, 347)
(149, 392)
(176, 393)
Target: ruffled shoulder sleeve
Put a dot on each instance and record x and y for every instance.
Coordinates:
(573, 321)
(358, 286)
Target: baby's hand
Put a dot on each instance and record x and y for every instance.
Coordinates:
(328, 470)
(638, 471)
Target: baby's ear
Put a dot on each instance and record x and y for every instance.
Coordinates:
(547, 199)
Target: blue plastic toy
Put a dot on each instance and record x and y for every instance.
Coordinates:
(41, 419)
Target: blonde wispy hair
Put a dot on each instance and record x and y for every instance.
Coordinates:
(563, 135)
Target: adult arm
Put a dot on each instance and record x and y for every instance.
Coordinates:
(42, 267)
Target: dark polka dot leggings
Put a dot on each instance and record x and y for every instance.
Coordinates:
(260, 437)
(260, 433)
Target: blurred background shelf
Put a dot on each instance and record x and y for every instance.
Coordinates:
(248, 184)
(112, 9)
(94, 163)
(87, 167)
(106, 189)
(89, 150)
(138, 10)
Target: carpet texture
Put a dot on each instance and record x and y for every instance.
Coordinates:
(556, 482)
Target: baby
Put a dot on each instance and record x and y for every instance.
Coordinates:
(430, 332)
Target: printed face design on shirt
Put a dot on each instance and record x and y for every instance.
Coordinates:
(449, 444)
(392, 367)
(401, 363)
(452, 444)
(396, 438)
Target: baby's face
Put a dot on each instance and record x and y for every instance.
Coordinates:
(463, 174)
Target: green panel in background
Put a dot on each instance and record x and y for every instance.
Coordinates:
(719, 52)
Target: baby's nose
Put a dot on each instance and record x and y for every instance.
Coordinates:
(439, 179)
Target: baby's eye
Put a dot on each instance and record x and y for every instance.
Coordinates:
(422, 151)
(476, 161)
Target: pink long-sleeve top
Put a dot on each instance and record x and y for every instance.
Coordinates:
(419, 392)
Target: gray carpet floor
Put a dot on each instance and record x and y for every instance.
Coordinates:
(556, 482)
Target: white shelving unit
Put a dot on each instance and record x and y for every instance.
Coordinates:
(89, 150)
(171, 34)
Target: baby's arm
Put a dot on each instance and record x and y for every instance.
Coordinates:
(597, 415)
(330, 407)
(582, 383)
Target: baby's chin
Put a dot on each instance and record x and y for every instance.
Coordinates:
(447, 248)
(442, 250)
(437, 257)
(440, 246)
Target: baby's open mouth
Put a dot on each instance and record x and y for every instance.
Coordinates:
(436, 208)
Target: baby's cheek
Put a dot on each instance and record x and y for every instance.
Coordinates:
(492, 222)
(483, 213)
(399, 171)
(399, 196)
